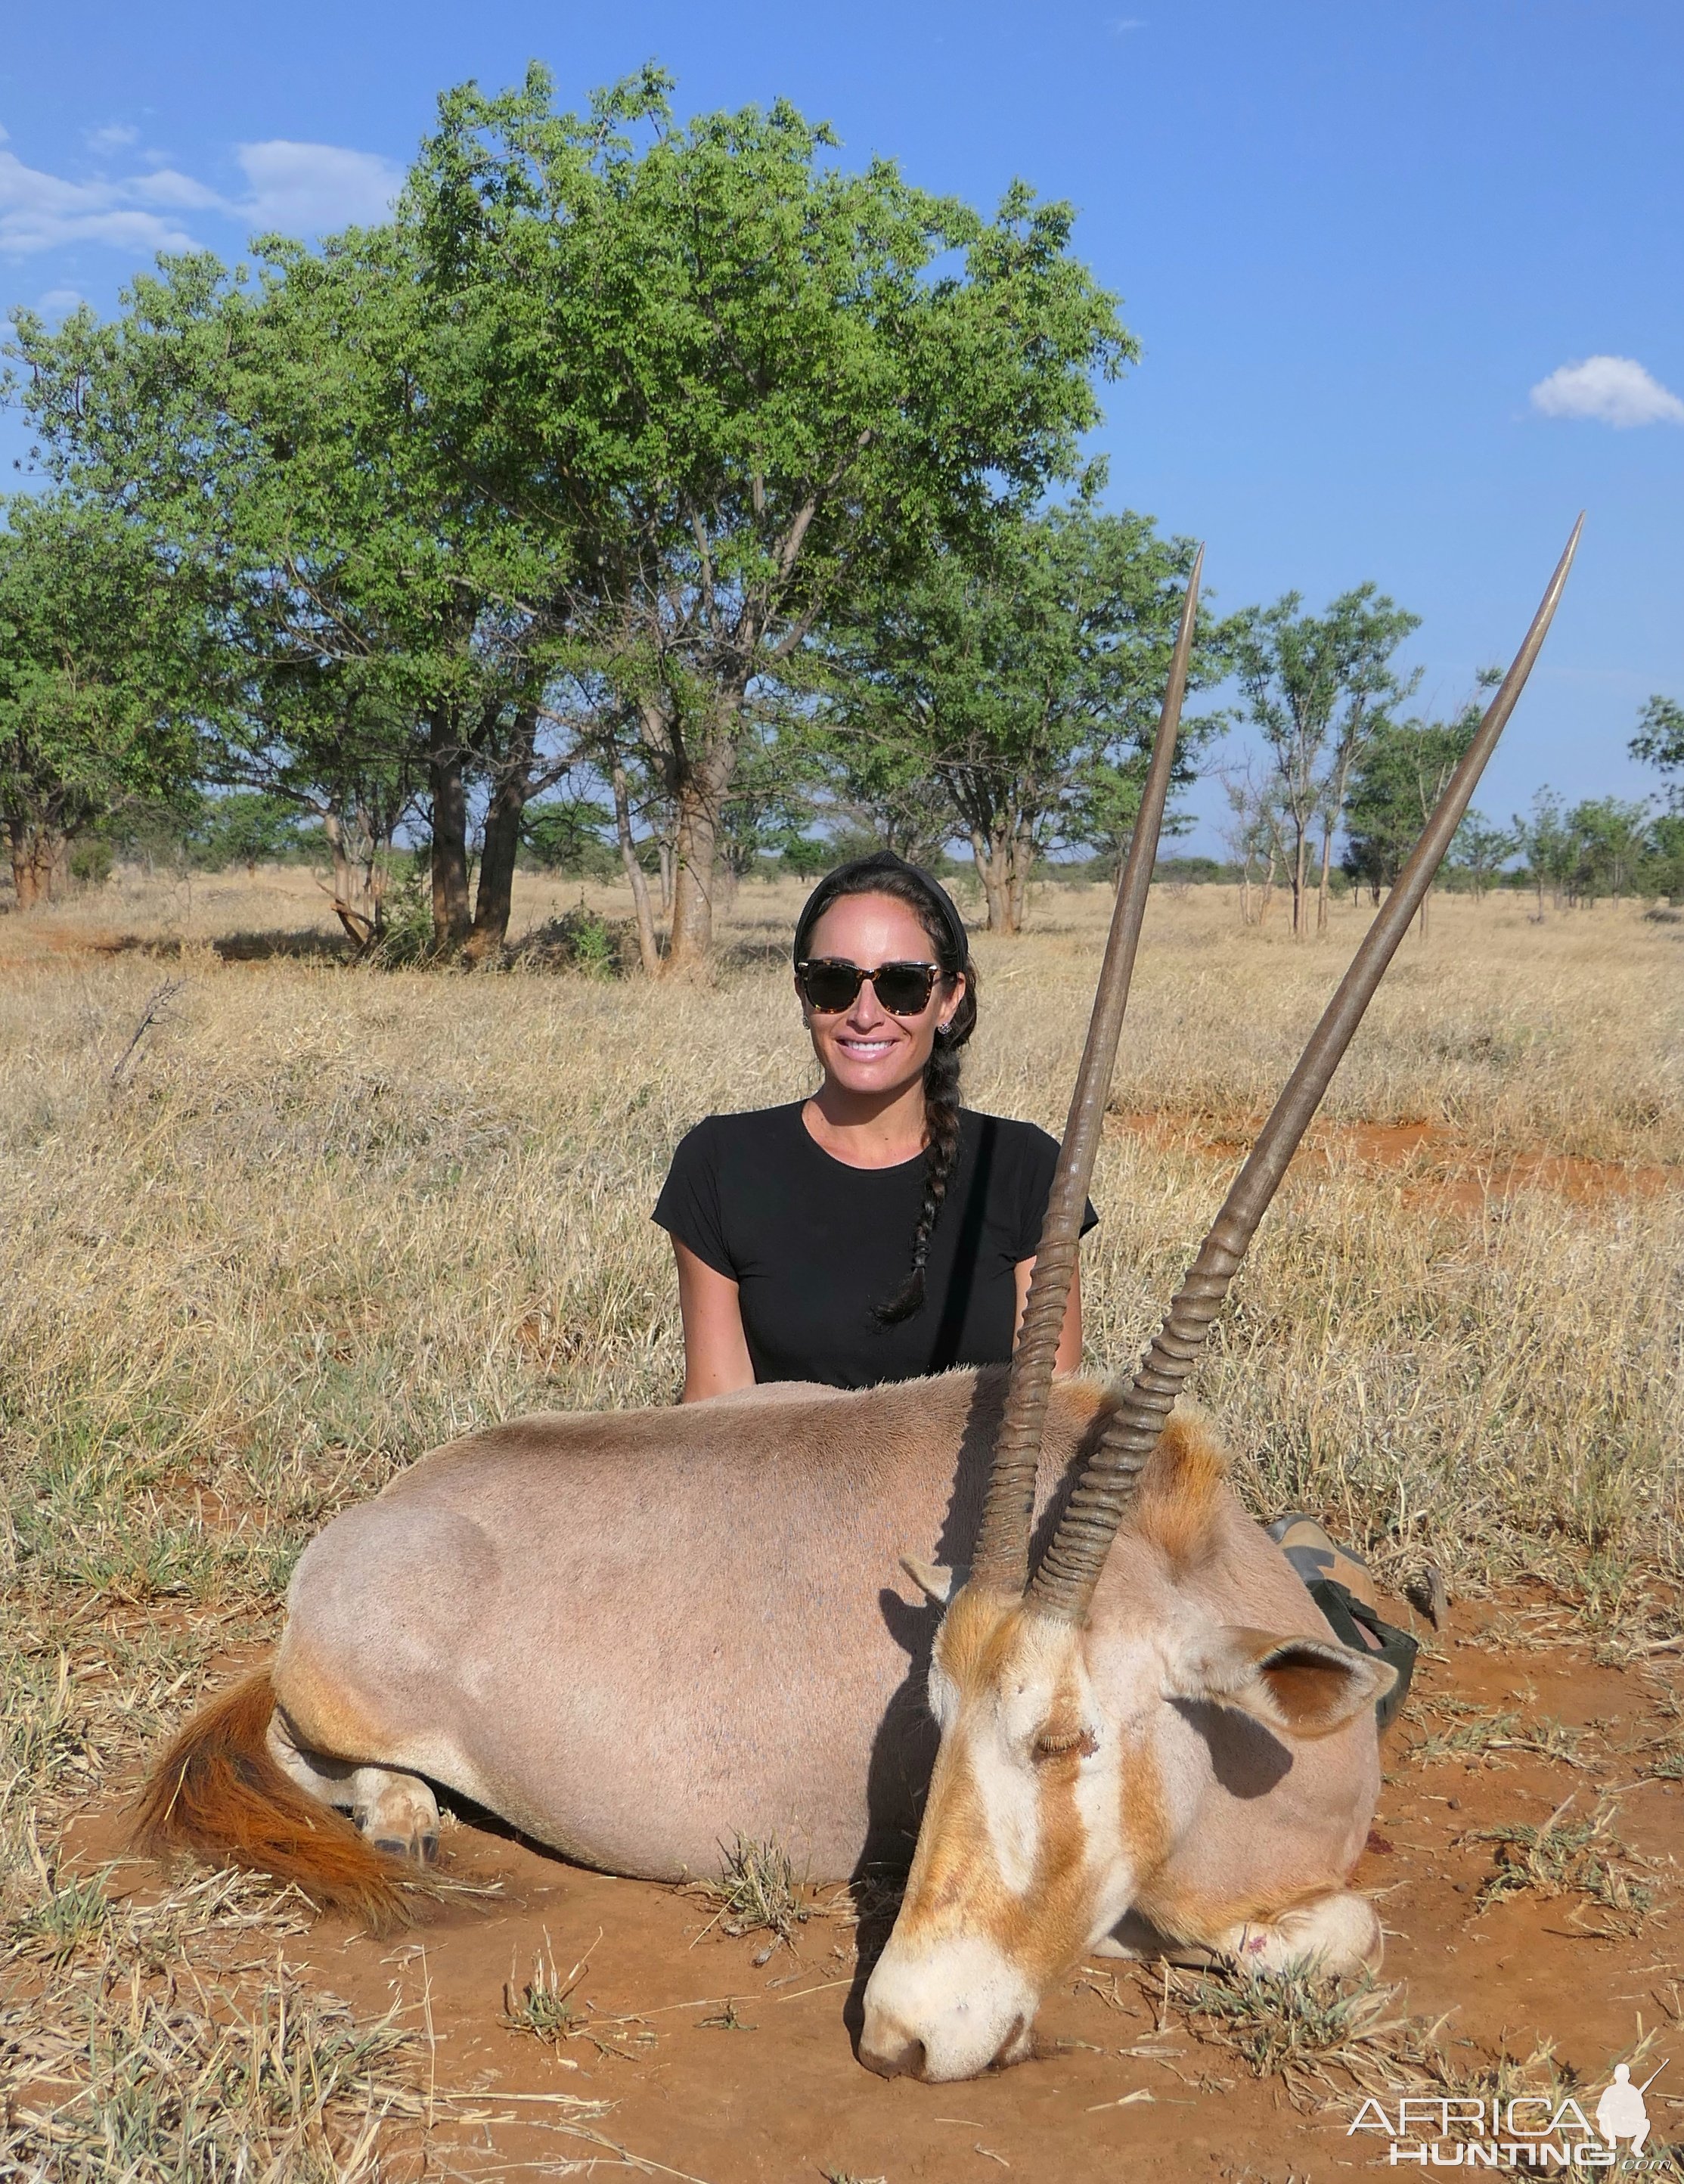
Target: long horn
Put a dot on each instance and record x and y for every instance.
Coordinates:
(1063, 1583)
(1002, 1556)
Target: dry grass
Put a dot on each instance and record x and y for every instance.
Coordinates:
(316, 1220)
(756, 1892)
(1582, 1856)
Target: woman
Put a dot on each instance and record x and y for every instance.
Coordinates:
(878, 1230)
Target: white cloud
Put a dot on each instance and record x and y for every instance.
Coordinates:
(59, 303)
(1615, 390)
(305, 189)
(39, 211)
(115, 136)
(300, 189)
(165, 187)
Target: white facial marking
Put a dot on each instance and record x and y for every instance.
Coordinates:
(1011, 1801)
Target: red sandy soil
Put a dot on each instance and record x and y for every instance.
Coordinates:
(734, 2069)
(1437, 1167)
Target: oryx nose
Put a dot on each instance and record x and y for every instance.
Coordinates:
(890, 2049)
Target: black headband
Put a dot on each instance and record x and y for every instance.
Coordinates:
(884, 862)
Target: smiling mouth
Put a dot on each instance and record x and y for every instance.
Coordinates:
(866, 1050)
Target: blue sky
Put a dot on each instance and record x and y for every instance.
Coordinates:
(1353, 238)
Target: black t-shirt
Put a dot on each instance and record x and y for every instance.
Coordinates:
(813, 1243)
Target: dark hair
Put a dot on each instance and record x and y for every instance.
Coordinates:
(886, 874)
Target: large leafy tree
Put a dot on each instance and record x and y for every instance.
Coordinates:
(1024, 682)
(276, 438)
(1319, 688)
(740, 382)
(95, 660)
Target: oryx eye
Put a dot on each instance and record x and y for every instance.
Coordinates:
(1053, 1744)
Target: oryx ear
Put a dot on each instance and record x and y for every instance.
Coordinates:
(934, 1579)
(1296, 1686)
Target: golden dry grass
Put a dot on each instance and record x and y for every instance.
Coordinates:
(327, 1217)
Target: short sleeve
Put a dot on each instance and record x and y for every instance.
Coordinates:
(689, 1206)
(1040, 1159)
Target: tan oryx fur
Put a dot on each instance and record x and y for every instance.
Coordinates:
(635, 1634)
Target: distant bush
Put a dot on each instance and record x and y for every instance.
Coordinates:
(91, 859)
(580, 939)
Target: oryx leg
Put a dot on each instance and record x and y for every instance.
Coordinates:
(1138, 1942)
(397, 1812)
(1338, 1933)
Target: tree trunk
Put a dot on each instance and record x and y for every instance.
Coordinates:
(989, 858)
(358, 929)
(1321, 889)
(1021, 864)
(1298, 887)
(377, 872)
(451, 920)
(695, 852)
(40, 858)
(494, 897)
(664, 854)
(649, 948)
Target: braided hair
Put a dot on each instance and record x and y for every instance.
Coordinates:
(885, 874)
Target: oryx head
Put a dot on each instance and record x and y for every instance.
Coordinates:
(1045, 1805)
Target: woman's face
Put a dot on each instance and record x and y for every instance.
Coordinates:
(862, 1048)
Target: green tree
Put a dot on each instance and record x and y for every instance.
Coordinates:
(736, 381)
(1318, 689)
(1478, 851)
(1608, 834)
(1660, 743)
(1662, 869)
(277, 437)
(1025, 682)
(94, 663)
(1397, 779)
(245, 827)
(565, 834)
(1544, 840)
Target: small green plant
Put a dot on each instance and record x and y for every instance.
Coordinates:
(592, 942)
(755, 1890)
(1477, 1734)
(1301, 2025)
(64, 1921)
(545, 2007)
(1566, 1858)
(406, 923)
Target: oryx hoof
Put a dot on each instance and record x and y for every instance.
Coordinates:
(398, 1814)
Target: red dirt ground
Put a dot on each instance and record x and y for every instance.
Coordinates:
(749, 2076)
(1438, 1168)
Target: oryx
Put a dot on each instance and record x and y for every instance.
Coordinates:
(635, 1634)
